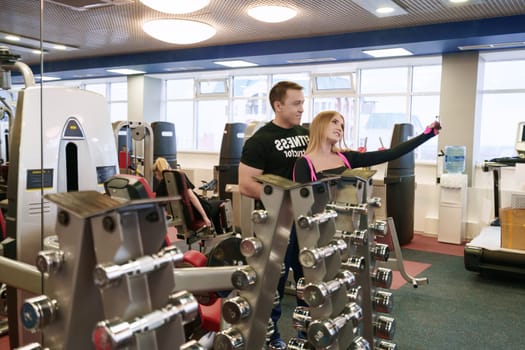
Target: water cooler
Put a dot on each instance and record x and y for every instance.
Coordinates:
(453, 197)
(400, 186)
(231, 148)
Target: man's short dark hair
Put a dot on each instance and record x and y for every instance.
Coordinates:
(278, 91)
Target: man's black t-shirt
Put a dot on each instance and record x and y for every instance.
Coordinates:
(274, 150)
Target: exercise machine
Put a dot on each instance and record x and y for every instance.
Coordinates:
(61, 140)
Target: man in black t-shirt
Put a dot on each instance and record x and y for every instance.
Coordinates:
(273, 149)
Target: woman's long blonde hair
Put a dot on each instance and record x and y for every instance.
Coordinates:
(318, 131)
(161, 164)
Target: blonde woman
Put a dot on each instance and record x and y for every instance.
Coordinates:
(325, 153)
(162, 164)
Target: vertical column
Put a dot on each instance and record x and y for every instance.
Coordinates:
(459, 101)
(144, 98)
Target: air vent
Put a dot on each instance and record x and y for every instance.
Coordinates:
(82, 5)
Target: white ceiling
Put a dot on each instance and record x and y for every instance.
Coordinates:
(110, 34)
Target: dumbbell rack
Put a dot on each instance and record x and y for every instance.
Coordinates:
(338, 253)
(248, 312)
(345, 290)
(108, 286)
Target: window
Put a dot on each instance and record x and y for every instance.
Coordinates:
(502, 108)
(180, 95)
(331, 83)
(372, 100)
(212, 115)
(389, 96)
(212, 87)
(384, 80)
(98, 88)
(118, 101)
(179, 88)
(250, 98)
(180, 113)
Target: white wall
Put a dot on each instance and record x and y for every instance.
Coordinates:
(480, 202)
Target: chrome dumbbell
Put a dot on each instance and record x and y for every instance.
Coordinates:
(299, 344)
(355, 264)
(32, 346)
(355, 238)
(228, 339)
(355, 295)
(38, 312)
(192, 345)
(259, 216)
(299, 288)
(384, 327)
(270, 329)
(109, 274)
(322, 333)
(115, 334)
(301, 318)
(382, 277)
(311, 257)
(276, 299)
(251, 246)
(308, 222)
(244, 277)
(235, 309)
(380, 344)
(379, 228)
(380, 251)
(316, 294)
(360, 343)
(374, 202)
(49, 261)
(383, 301)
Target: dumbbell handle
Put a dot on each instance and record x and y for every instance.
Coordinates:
(115, 334)
(105, 274)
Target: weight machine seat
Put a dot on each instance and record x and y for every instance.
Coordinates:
(210, 314)
(128, 187)
(189, 226)
(2, 225)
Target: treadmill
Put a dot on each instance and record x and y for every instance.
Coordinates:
(484, 252)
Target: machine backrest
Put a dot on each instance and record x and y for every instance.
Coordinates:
(128, 187)
(182, 210)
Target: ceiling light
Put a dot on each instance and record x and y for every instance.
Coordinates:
(175, 69)
(60, 47)
(384, 10)
(311, 60)
(176, 6)
(47, 78)
(456, 3)
(236, 63)
(178, 31)
(381, 8)
(32, 43)
(125, 71)
(393, 52)
(272, 14)
(506, 45)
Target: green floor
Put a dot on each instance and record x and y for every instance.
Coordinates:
(459, 309)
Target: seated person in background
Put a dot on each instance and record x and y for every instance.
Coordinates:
(324, 154)
(206, 208)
